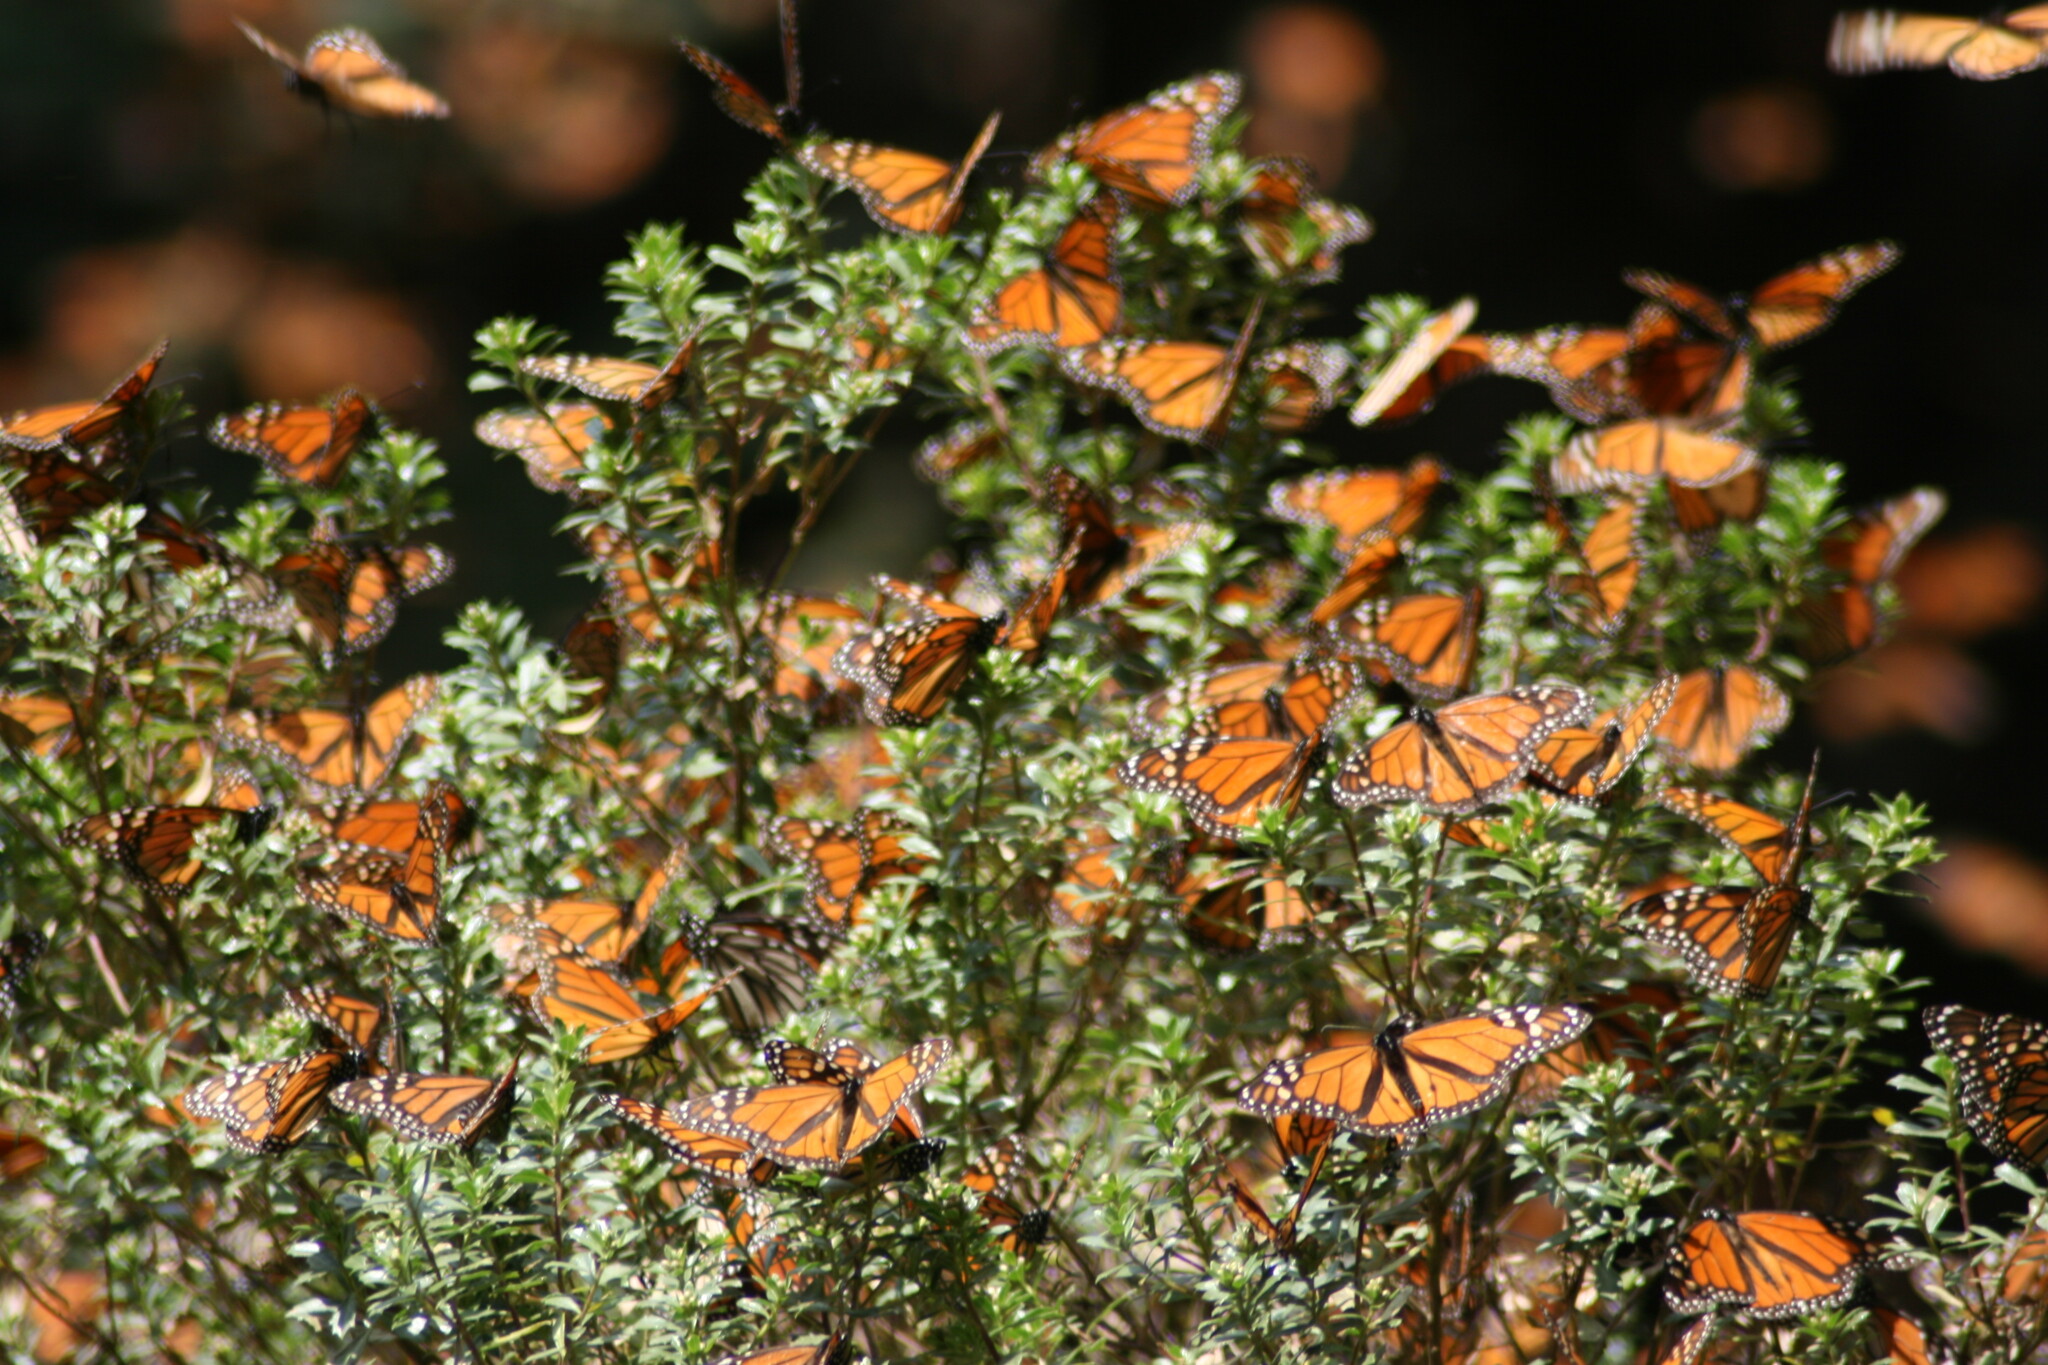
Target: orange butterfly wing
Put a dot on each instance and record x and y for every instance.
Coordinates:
(1469, 754)
(1769, 1264)
(1722, 713)
(1151, 151)
(1586, 764)
(906, 191)
(1226, 784)
(310, 445)
(551, 443)
(1430, 640)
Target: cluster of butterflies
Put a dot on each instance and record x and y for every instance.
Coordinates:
(1236, 745)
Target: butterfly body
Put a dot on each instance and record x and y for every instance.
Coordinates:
(824, 1120)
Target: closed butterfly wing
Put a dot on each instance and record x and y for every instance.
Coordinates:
(1469, 754)
(636, 383)
(1152, 151)
(1395, 384)
(1722, 713)
(739, 100)
(1585, 764)
(907, 672)
(835, 861)
(310, 445)
(1769, 1264)
(1976, 49)
(1766, 841)
(551, 442)
(269, 1107)
(2001, 1075)
(1700, 512)
(1297, 383)
(776, 960)
(1733, 938)
(1073, 298)
(443, 1110)
(1245, 911)
(36, 723)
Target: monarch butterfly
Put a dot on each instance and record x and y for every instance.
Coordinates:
(345, 69)
(1613, 558)
(309, 445)
(1668, 372)
(740, 101)
(1290, 229)
(339, 753)
(1785, 308)
(18, 952)
(727, 1160)
(1468, 754)
(347, 1022)
(642, 581)
(1689, 1347)
(1152, 151)
(1585, 764)
(1072, 298)
(1769, 1264)
(50, 495)
(1866, 552)
(76, 426)
(582, 992)
(42, 725)
(1415, 363)
(348, 596)
(1584, 368)
(1976, 49)
(551, 442)
(593, 649)
(1092, 886)
(959, 447)
(996, 1175)
(268, 1107)
(1247, 910)
(907, 672)
(400, 899)
(1618, 1034)
(803, 634)
(775, 960)
(1302, 1139)
(1297, 383)
(604, 930)
(2002, 1077)
(1638, 453)
(1181, 389)
(1764, 840)
(1227, 784)
(840, 862)
(1263, 699)
(903, 191)
(1360, 504)
(437, 1109)
(841, 1061)
(821, 1124)
(834, 1350)
(1720, 714)
(1412, 1076)
(1701, 511)
(1430, 641)
(1103, 558)
(635, 383)
(394, 826)
(157, 845)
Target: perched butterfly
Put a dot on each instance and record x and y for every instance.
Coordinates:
(78, 426)
(1297, 383)
(339, 753)
(1101, 557)
(1764, 840)
(1072, 298)
(1415, 363)
(1227, 784)
(1263, 699)
(604, 930)
(1700, 512)
(1618, 1033)
(1182, 389)
(18, 952)
(309, 445)
(907, 672)
(593, 648)
(1767, 1264)
(997, 1176)
(1612, 555)
(345, 69)
(1412, 1076)
(840, 862)
(1976, 49)
(635, 383)
(1584, 764)
(1866, 553)
(1468, 754)
(437, 1109)
(803, 634)
(2001, 1075)
(903, 191)
(820, 1124)
(907, 1153)
(348, 595)
(158, 845)
(583, 992)
(776, 960)
(268, 1107)
(1722, 713)
(1154, 151)
(1904, 1341)
(643, 582)
(1242, 911)
(51, 493)
(1734, 938)
(1637, 454)
(392, 827)
(1430, 641)
(399, 898)
(1784, 309)
(729, 1161)
(1362, 505)
(344, 1021)
(1291, 229)
(1094, 882)
(551, 442)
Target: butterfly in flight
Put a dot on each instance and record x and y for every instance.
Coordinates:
(2002, 1076)
(1394, 393)
(1785, 308)
(1584, 764)
(551, 442)
(308, 445)
(1981, 49)
(1720, 714)
(345, 69)
(1280, 202)
(1866, 552)
(1411, 1076)
(740, 101)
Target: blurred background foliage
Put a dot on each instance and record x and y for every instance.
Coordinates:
(166, 186)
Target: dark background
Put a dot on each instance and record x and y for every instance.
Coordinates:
(162, 183)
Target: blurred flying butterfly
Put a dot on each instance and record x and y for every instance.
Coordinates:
(1637, 454)
(1154, 151)
(1784, 309)
(18, 952)
(1585, 764)
(582, 992)
(1619, 1033)
(308, 445)
(635, 383)
(1362, 505)
(903, 191)
(81, 425)
(741, 102)
(458, 1110)
(824, 1123)
(1768, 1264)
(1393, 394)
(1103, 557)
(1463, 756)
(1411, 1076)
(2001, 1075)
(907, 672)
(1291, 229)
(1297, 383)
(551, 442)
(1982, 49)
(1612, 554)
(339, 753)
(1866, 553)
(1720, 714)
(348, 595)
(840, 862)
(39, 724)
(345, 69)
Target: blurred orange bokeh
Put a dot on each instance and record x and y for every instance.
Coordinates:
(1775, 138)
(1314, 68)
